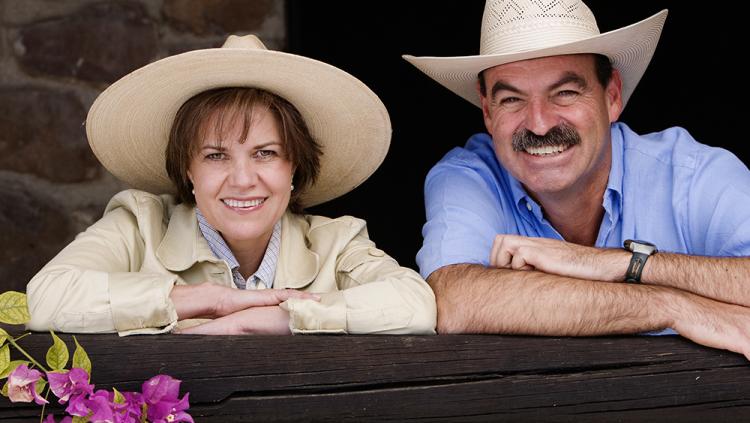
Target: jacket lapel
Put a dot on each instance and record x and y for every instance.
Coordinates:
(297, 266)
(183, 244)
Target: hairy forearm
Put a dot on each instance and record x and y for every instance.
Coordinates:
(725, 279)
(475, 299)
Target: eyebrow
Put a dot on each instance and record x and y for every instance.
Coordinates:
(567, 78)
(222, 148)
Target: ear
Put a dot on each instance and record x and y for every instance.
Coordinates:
(613, 96)
(190, 177)
(485, 107)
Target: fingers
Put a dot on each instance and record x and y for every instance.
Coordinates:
(258, 320)
(235, 300)
(500, 255)
(272, 297)
(507, 253)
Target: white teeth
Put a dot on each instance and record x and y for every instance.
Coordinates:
(546, 150)
(243, 204)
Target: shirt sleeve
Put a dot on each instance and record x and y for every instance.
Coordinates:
(719, 206)
(94, 284)
(463, 216)
(375, 296)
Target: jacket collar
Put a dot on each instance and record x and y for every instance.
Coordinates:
(298, 266)
(183, 244)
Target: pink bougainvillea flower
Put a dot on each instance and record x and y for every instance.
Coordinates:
(101, 406)
(130, 410)
(161, 395)
(67, 384)
(22, 385)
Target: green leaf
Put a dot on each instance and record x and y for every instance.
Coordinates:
(3, 336)
(4, 357)
(13, 308)
(78, 419)
(4, 392)
(119, 398)
(81, 358)
(40, 385)
(12, 366)
(57, 355)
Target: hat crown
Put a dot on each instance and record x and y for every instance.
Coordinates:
(245, 41)
(514, 26)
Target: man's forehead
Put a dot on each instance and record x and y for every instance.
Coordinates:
(578, 63)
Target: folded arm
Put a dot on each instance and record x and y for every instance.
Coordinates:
(475, 299)
(724, 279)
(375, 295)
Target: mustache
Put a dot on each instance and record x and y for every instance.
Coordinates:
(562, 134)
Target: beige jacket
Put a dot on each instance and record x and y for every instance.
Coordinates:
(117, 275)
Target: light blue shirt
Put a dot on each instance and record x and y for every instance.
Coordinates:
(663, 187)
(267, 269)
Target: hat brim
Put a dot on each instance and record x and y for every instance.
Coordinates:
(630, 49)
(129, 123)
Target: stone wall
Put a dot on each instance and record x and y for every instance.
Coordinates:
(55, 58)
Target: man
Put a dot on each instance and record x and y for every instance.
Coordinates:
(534, 228)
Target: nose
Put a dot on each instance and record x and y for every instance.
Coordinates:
(540, 116)
(243, 174)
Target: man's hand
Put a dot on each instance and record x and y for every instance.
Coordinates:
(710, 323)
(558, 258)
(209, 300)
(270, 320)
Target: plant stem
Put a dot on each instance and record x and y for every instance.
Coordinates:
(12, 341)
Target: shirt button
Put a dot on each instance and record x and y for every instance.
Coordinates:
(528, 206)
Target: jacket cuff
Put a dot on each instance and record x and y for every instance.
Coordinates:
(140, 302)
(325, 316)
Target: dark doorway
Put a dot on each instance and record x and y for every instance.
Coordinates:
(693, 81)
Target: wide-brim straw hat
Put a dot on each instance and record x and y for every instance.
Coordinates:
(128, 125)
(527, 29)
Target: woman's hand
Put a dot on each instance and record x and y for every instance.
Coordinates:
(269, 320)
(208, 300)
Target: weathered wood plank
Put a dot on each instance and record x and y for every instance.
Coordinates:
(439, 378)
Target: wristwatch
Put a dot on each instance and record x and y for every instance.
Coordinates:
(641, 252)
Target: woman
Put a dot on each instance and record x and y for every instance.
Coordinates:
(225, 147)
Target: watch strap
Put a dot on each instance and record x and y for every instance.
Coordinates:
(635, 268)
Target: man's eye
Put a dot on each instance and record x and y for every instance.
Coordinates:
(509, 100)
(567, 93)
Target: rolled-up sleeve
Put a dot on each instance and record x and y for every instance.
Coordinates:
(94, 285)
(376, 296)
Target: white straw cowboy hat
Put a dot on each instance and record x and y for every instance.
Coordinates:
(514, 30)
(129, 123)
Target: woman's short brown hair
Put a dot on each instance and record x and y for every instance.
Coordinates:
(230, 105)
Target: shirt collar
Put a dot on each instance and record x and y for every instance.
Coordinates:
(267, 269)
(612, 201)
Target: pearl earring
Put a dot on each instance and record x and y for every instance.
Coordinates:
(193, 191)
(292, 187)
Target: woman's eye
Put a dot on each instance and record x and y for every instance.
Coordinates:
(215, 156)
(265, 154)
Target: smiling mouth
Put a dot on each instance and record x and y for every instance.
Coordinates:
(237, 204)
(549, 150)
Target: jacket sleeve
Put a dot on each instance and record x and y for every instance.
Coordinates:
(94, 284)
(375, 295)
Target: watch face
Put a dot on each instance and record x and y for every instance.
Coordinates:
(639, 246)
